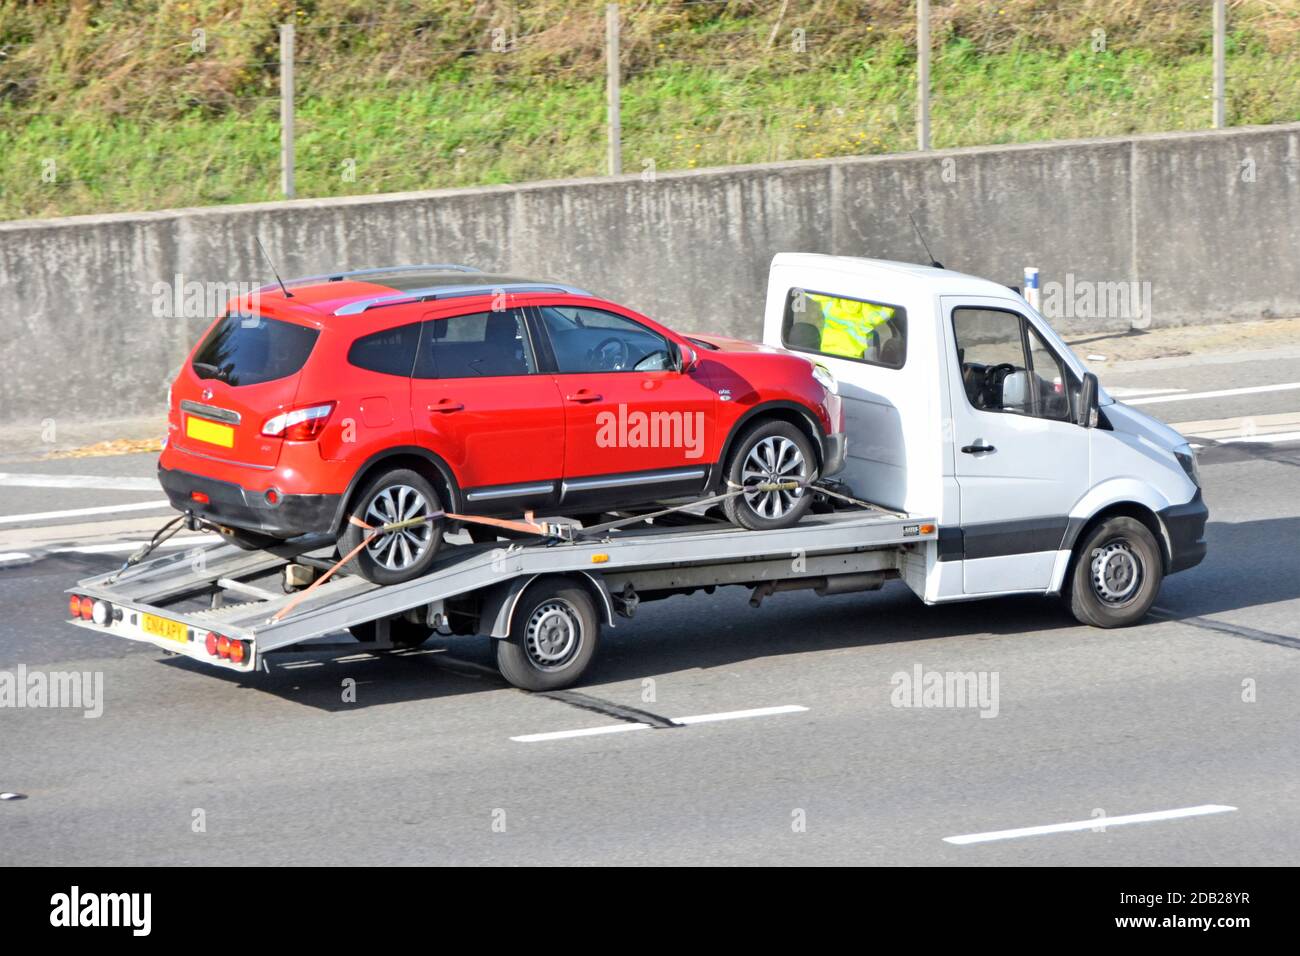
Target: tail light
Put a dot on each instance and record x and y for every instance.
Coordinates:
(210, 642)
(301, 424)
(87, 609)
(74, 606)
(223, 646)
(237, 652)
(101, 612)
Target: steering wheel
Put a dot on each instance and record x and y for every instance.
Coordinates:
(599, 356)
(990, 390)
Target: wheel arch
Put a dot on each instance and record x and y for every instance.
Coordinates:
(500, 602)
(780, 410)
(1079, 529)
(420, 460)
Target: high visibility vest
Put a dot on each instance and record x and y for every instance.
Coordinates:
(848, 326)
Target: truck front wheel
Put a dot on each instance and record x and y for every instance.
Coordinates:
(553, 634)
(1117, 574)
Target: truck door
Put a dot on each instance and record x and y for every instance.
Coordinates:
(1020, 461)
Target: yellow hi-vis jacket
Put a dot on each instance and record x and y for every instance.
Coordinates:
(848, 327)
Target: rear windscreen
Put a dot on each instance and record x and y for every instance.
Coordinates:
(250, 349)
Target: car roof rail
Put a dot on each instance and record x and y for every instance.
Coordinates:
(377, 270)
(358, 306)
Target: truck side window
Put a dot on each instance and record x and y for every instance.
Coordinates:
(840, 327)
(1007, 367)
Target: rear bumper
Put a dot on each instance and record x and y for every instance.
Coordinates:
(834, 449)
(1186, 526)
(238, 507)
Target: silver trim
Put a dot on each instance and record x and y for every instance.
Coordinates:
(509, 491)
(225, 461)
(211, 411)
(644, 478)
(377, 270)
(452, 292)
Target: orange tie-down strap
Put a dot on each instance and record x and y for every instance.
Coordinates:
(528, 526)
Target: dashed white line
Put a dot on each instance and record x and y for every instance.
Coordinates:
(680, 721)
(80, 512)
(13, 557)
(1218, 393)
(93, 482)
(1077, 825)
(126, 547)
(1119, 391)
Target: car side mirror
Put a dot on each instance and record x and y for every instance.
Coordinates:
(1088, 398)
(687, 359)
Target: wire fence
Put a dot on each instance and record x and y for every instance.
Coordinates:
(605, 91)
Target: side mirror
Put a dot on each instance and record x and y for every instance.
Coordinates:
(1087, 411)
(687, 359)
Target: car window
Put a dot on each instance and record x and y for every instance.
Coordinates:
(1006, 366)
(391, 351)
(245, 349)
(482, 344)
(838, 326)
(593, 340)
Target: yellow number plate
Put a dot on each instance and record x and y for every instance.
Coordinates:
(161, 627)
(210, 432)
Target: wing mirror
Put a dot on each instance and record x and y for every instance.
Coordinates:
(687, 359)
(1088, 399)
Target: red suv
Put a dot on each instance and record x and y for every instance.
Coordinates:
(385, 395)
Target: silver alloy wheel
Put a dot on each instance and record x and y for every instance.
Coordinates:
(772, 459)
(398, 550)
(1116, 573)
(553, 635)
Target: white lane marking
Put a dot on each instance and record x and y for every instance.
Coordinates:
(1152, 817)
(126, 547)
(1260, 439)
(1119, 391)
(79, 512)
(10, 557)
(96, 482)
(739, 714)
(680, 721)
(1218, 393)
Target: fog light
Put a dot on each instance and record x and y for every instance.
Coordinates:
(272, 497)
(101, 612)
(200, 497)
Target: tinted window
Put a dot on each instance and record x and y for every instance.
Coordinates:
(391, 351)
(475, 346)
(250, 349)
(591, 340)
(841, 327)
(1007, 367)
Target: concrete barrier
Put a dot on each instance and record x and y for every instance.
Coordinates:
(1206, 224)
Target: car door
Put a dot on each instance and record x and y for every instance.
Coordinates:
(481, 404)
(637, 427)
(1021, 462)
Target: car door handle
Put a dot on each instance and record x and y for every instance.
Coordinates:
(583, 396)
(977, 449)
(447, 406)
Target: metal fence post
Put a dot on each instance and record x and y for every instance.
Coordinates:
(1220, 95)
(922, 74)
(286, 110)
(613, 119)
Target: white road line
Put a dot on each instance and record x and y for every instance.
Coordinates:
(95, 482)
(126, 547)
(1260, 439)
(681, 721)
(79, 512)
(1120, 391)
(12, 557)
(1219, 393)
(1077, 825)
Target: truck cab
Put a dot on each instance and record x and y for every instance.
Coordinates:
(962, 402)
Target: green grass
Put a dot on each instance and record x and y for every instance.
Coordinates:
(474, 120)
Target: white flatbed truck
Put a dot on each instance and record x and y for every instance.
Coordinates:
(996, 462)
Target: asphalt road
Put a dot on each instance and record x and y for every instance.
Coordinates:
(422, 767)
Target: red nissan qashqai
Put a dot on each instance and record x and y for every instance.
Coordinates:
(389, 394)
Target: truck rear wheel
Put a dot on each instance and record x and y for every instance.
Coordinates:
(1117, 574)
(553, 635)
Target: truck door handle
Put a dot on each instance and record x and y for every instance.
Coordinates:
(582, 396)
(447, 406)
(977, 449)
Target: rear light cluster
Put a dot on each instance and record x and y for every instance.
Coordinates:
(300, 424)
(226, 648)
(90, 609)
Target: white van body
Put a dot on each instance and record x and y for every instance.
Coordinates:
(1014, 491)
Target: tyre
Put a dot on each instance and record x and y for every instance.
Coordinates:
(401, 632)
(553, 635)
(400, 555)
(1117, 573)
(769, 451)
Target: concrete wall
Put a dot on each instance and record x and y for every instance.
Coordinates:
(1210, 220)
